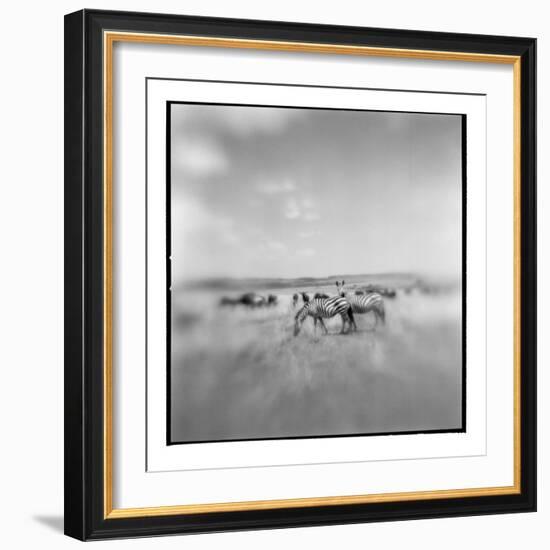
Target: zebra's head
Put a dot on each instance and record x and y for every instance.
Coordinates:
(340, 288)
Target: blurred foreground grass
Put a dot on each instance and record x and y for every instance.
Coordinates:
(240, 374)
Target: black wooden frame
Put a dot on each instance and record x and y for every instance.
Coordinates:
(84, 512)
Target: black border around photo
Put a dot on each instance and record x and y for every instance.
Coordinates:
(464, 185)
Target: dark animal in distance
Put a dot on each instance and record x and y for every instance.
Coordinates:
(295, 299)
(383, 291)
(249, 299)
(387, 292)
(252, 299)
(324, 308)
(227, 301)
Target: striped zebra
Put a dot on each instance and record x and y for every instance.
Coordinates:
(363, 303)
(324, 308)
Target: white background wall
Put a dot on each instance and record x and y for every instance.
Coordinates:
(31, 408)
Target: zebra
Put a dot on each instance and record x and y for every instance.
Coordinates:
(295, 300)
(320, 308)
(363, 303)
(305, 297)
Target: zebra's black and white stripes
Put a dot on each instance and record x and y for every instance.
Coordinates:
(324, 308)
(370, 302)
(364, 303)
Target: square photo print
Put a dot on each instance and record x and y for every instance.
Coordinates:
(316, 272)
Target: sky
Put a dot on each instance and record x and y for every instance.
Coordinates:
(283, 192)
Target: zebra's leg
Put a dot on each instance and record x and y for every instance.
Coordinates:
(345, 319)
(322, 323)
(315, 326)
(380, 315)
(353, 324)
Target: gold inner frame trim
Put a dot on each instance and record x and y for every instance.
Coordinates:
(109, 39)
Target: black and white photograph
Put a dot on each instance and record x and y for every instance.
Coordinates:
(316, 272)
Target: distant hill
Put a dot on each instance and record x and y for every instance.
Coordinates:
(256, 283)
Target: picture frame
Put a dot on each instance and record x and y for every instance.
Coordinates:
(91, 218)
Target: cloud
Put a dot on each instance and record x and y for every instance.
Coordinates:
(311, 216)
(237, 121)
(194, 219)
(292, 209)
(308, 234)
(302, 209)
(200, 133)
(307, 252)
(273, 250)
(199, 158)
(230, 237)
(276, 188)
(276, 246)
(245, 121)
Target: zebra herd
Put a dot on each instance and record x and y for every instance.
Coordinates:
(344, 304)
(322, 306)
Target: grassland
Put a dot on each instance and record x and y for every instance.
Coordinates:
(239, 373)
